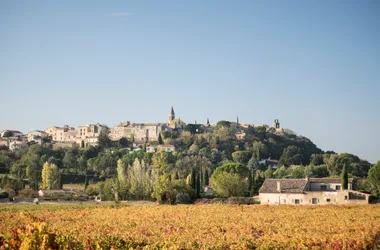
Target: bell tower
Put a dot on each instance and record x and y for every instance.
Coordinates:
(276, 124)
(171, 114)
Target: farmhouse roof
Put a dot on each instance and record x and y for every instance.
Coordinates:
(328, 180)
(285, 185)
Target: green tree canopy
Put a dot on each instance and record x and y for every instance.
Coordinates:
(374, 177)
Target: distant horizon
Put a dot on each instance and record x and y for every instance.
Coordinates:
(312, 65)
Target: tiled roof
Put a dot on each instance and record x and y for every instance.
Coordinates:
(286, 186)
(328, 180)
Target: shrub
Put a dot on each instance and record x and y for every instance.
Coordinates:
(3, 195)
(92, 191)
(182, 198)
(27, 193)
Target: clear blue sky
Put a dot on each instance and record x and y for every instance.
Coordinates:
(314, 65)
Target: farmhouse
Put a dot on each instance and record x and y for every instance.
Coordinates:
(309, 191)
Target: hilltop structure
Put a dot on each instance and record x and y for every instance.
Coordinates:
(138, 133)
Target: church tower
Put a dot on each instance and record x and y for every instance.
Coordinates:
(171, 115)
(276, 124)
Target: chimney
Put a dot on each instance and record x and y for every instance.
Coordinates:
(278, 186)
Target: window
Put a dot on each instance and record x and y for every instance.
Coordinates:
(328, 200)
(345, 197)
(296, 201)
(323, 188)
(337, 187)
(314, 201)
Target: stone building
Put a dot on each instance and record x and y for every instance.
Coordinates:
(142, 132)
(62, 134)
(36, 135)
(321, 191)
(89, 130)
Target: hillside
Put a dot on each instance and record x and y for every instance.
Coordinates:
(199, 151)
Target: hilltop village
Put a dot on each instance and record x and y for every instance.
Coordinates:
(139, 133)
(178, 162)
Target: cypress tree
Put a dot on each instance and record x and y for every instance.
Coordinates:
(206, 178)
(85, 184)
(201, 177)
(176, 176)
(193, 179)
(344, 178)
(160, 139)
(198, 185)
(250, 185)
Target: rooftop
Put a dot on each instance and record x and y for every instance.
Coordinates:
(286, 186)
(328, 180)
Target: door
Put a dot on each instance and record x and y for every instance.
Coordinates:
(314, 201)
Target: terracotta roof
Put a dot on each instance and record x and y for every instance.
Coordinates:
(286, 186)
(328, 180)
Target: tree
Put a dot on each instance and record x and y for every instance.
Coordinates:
(193, 179)
(50, 176)
(317, 159)
(230, 179)
(260, 150)
(296, 172)
(160, 161)
(194, 148)
(292, 155)
(8, 133)
(344, 177)
(241, 156)
(198, 185)
(374, 177)
(103, 139)
(231, 167)
(229, 184)
(160, 139)
(257, 183)
(268, 173)
(123, 142)
(280, 172)
(31, 160)
(206, 178)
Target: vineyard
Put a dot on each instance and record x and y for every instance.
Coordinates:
(189, 227)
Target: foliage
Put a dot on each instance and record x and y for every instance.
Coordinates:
(296, 171)
(103, 139)
(374, 178)
(260, 150)
(241, 157)
(344, 178)
(229, 184)
(185, 227)
(8, 134)
(160, 139)
(182, 198)
(292, 156)
(231, 167)
(50, 176)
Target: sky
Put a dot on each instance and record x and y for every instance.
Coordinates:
(314, 65)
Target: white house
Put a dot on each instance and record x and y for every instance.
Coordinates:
(309, 191)
(165, 147)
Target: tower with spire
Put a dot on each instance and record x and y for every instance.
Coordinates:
(171, 115)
